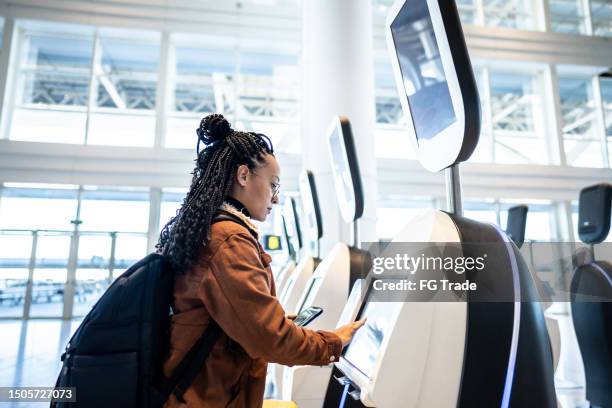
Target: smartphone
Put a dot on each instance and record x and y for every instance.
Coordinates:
(308, 315)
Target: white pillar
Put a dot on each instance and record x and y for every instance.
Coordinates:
(338, 79)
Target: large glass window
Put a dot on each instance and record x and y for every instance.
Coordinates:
(256, 88)
(601, 17)
(50, 274)
(200, 69)
(509, 13)
(484, 151)
(468, 11)
(605, 84)
(125, 210)
(15, 252)
(567, 16)
(516, 115)
(391, 131)
(37, 207)
(52, 83)
(581, 139)
(124, 87)
(170, 203)
(54, 100)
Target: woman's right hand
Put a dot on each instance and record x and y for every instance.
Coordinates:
(347, 331)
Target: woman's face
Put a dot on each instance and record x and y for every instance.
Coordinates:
(257, 189)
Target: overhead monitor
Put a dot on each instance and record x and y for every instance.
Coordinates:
(310, 205)
(345, 167)
(435, 81)
(516, 224)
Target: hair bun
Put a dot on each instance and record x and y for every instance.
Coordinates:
(213, 128)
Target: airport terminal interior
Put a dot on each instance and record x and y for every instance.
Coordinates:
(99, 102)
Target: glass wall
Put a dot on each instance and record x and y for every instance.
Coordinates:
(52, 87)
(124, 88)
(568, 16)
(606, 97)
(102, 84)
(582, 139)
(45, 229)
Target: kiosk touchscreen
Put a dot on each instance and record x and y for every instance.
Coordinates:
(476, 351)
(330, 285)
(444, 119)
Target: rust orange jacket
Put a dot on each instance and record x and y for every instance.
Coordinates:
(233, 284)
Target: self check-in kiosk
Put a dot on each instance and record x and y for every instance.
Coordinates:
(294, 284)
(331, 282)
(474, 352)
(293, 238)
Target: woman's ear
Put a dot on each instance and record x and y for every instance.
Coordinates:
(241, 175)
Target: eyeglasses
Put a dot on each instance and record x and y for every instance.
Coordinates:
(275, 187)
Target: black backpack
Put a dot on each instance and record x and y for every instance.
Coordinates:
(115, 357)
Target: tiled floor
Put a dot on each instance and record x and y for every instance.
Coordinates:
(30, 353)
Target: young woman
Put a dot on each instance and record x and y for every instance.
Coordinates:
(224, 274)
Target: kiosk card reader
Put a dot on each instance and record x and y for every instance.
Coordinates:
(473, 352)
(330, 285)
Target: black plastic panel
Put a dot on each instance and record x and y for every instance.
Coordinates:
(594, 213)
(516, 224)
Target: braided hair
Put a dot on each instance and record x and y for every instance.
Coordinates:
(216, 165)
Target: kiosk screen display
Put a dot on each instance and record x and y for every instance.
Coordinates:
(365, 345)
(341, 169)
(423, 75)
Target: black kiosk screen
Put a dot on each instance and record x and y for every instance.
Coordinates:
(423, 75)
(341, 169)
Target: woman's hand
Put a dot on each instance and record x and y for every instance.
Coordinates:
(347, 331)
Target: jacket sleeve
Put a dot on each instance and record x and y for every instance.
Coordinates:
(236, 293)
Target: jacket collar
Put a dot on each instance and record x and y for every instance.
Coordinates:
(229, 208)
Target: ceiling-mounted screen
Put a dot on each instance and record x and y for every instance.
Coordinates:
(345, 167)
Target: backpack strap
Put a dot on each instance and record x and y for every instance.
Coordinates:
(189, 367)
(187, 370)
